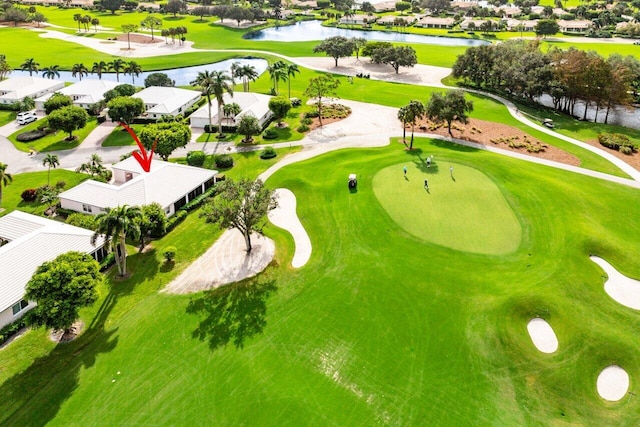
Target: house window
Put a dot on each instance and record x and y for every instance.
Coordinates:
(167, 210)
(18, 307)
(86, 208)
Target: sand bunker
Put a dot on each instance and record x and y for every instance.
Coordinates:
(621, 288)
(284, 216)
(542, 335)
(613, 383)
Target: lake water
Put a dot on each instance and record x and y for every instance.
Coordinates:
(182, 76)
(313, 30)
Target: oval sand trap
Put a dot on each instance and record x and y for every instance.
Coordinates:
(621, 288)
(285, 216)
(464, 211)
(542, 335)
(613, 383)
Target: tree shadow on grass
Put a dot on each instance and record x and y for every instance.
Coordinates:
(232, 313)
(452, 146)
(34, 396)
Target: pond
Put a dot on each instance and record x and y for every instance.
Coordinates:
(313, 30)
(182, 76)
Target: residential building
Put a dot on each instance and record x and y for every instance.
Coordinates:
(162, 101)
(17, 88)
(435, 22)
(254, 104)
(170, 184)
(27, 241)
(84, 93)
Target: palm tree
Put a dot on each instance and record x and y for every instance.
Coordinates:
(116, 224)
(78, 18)
(133, 68)
(30, 65)
(231, 111)
(291, 69)
(95, 22)
(278, 72)
(51, 161)
(245, 72)
(79, 70)
(414, 110)
(205, 81)
(5, 68)
(403, 117)
(5, 179)
(51, 72)
(86, 21)
(214, 83)
(117, 65)
(99, 68)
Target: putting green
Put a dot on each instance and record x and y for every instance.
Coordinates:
(465, 212)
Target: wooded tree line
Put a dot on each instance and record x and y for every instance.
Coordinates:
(568, 76)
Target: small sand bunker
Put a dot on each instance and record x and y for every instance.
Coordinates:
(613, 383)
(284, 216)
(621, 288)
(542, 335)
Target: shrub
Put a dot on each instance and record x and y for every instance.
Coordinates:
(616, 141)
(303, 128)
(268, 153)
(197, 202)
(176, 219)
(626, 150)
(169, 254)
(223, 161)
(311, 114)
(195, 158)
(306, 121)
(82, 220)
(107, 261)
(29, 195)
(13, 328)
(270, 134)
(31, 135)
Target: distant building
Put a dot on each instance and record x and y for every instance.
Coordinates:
(27, 241)
(170, 184)
(162, 101)
(84, 93)
(434, 22)
(358, 19)
(527, 25)
(254, 104)
(17, 88)
(574, 27)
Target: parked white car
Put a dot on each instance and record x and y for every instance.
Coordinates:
(26, 117)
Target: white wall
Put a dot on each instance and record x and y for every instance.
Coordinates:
(7, 316)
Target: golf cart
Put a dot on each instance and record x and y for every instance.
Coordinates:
(353, 181)
(548, 123)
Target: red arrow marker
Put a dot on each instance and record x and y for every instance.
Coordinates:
(143, 157)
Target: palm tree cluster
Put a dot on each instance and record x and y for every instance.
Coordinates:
(214, 83)
(245, 72)
(86, 21)
(282, 71)
(116, 224)
(5, 68)
(177, 32)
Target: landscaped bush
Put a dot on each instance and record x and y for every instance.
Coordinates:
(169, 254)
(223, 161)
(29, 195)
(270, 134)
(303, 128)
(13, 328)
(195, 203)
(176, 219)
(306, 121)
(31, 135)
(268, 153)
(617, 141)
(335, 111)
(82, 220)
(107, 261)
(311, 114)
(195, 158)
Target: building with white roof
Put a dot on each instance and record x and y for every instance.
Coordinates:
(254, 104)
(17, 88)
(162, 101)
(169, 184)
(435, 22)
(27, 241)
(83, 93)
(574, 27)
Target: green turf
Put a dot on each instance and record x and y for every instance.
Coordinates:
(11, 199)
(7, 117)
(379, 328)
(461, 209)
(120, 137)
(54, 141)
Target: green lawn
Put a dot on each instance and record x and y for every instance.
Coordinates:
(381, 327)
(7, 117)
(54, 141)
(120, 137)
(11, 199)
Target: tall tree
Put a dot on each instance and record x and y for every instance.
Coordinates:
(79, 70)
(5, 68)
(246, 73)
(111, 5)
(205, 81)
(116, 224)
(117, 66)
(99, 68)
(215, 83)
(321, 87)
(242, 205)
(151, 23)
(175, 7)
(396, 56)
(68, 119)
(277, 72)
(449, 108)
(30, 65)
(167, 137)
(125, 108)
(359, 43)
(78, 18)
(231, 110)
(51, 72)
(413, 112)
(128, 29)
(50, 161)
(546, 27)
(133, 69)
(95, 22)
(5, 179)
(292, 70)
(62, 287)
(337, 47)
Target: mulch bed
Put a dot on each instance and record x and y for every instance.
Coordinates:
(632, 159)
(497, 135)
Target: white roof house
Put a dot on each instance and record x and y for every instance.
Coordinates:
(254, 104)
(26, 242)
(84, 93)
(160, 101)
(527, 25)
(435, 22)
(169, 184)
(17, 88)
(578, 26)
